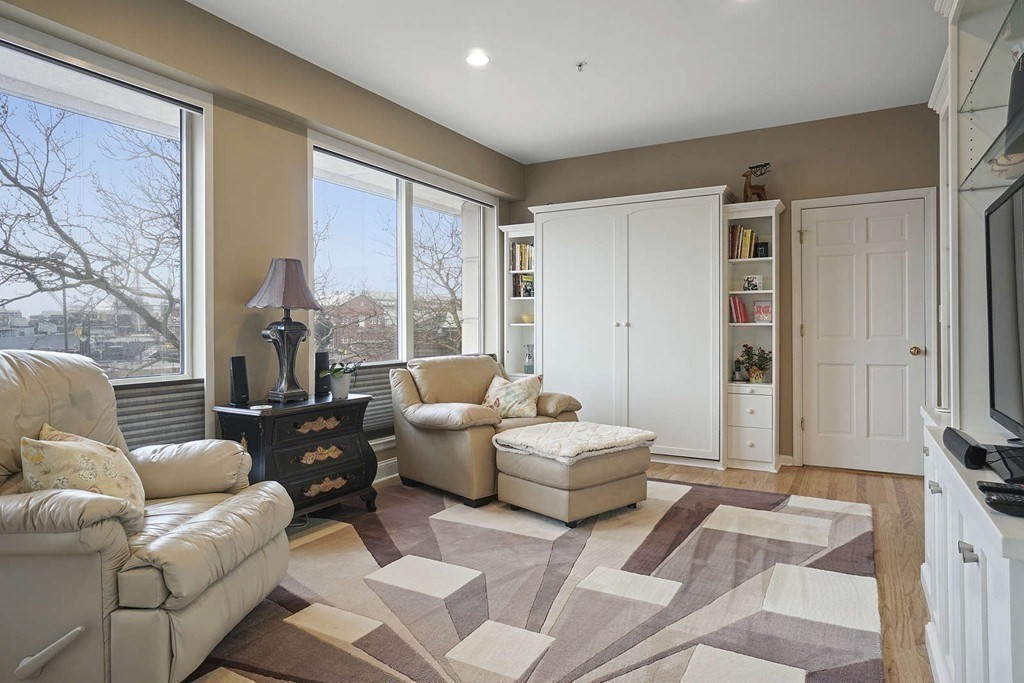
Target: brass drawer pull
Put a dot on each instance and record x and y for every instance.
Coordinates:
(326, 485)
(319, 455)
(318, 425)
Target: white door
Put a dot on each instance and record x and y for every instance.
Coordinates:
(577, 338)
(863, 311)
(674, 324)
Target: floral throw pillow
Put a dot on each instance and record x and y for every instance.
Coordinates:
(514, 399)
(58, 460)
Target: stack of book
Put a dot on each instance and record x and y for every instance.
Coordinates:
(738, 309)
(520, 256)
(522, 285)
(741, 242)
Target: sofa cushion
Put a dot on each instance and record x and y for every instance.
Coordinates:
(204, 548)
(66, 461)
(514, 399)
(454, 379)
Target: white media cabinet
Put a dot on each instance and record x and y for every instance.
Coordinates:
(973, 573)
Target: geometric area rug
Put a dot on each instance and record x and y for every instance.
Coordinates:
(699, 583)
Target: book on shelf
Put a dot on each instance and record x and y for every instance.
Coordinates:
(522, 284)
(520, 256)
(738, 309)
(742, 242)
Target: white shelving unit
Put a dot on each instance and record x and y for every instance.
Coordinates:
(750, 431)
(518, 331)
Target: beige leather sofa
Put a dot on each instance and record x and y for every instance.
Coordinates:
(443, 433)
(141, 608)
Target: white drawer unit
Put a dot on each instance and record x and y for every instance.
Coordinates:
(750, 410)
(973, 574)
(750, 443)
(749, 389)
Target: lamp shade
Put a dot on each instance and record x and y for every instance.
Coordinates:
(285, 287)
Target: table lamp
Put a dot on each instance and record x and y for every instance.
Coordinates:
(285, 287)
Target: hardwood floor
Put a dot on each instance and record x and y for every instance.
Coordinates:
(898, 505)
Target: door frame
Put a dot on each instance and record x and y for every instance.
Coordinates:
(928, 194)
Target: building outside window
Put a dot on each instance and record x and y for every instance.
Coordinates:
(366, 223)
(92, 234)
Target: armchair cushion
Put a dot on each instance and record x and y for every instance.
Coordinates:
(554, 404)
(186, 469)
(450, 416)
(74, 462)
(204, 549)
(454, 379)
(57, 511)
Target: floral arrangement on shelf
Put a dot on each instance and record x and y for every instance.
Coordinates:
(756, 363)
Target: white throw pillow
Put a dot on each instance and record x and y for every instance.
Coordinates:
(514, 399)
(58, 460)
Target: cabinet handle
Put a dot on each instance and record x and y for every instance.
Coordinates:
(318, 425)
(618, 324)
(750, 411)
(967, 553)
(925, 450)
(750, 391)
(626, 324)
(325, 486)
(934, 487)
(750, 444)
(319, 455)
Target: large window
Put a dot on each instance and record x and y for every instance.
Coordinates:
(396, 265)
(92, 236)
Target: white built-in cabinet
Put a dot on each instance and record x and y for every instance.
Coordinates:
(519, 288)
(629, 312)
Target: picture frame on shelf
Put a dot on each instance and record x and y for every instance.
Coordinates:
(752, 283)
(762, 311)
(761, 250)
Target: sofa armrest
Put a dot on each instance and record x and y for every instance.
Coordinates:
(187, 469)
(450, 416)
(203, 550)
(57, 511)
(553, 404)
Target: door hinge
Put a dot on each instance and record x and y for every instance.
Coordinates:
(801, 424)
(801, 233)
(801, 329)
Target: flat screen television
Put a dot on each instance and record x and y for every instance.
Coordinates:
(1004, 243)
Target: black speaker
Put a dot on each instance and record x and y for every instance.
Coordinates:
(968, 451)
(239, 382)
(321, 385)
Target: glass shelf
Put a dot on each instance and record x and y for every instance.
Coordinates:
(996, 168)
(991, 87)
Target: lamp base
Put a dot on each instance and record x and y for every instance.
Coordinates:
(286, 335)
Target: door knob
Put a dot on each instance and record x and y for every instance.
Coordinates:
(618, 324)
(916, 351)
(750, 411)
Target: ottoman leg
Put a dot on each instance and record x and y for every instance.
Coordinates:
(515, 507)
(633, 505)
(572, 525)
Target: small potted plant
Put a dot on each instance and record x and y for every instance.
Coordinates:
(756, 363)
(342, 376)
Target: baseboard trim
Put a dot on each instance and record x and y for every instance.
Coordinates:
(786, 460)
(386, 469)
(686, 462)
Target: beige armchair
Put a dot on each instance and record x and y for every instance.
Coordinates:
(83, 600)
(443, 433)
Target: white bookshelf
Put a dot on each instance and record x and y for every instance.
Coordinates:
(750, 429)
(517, 332)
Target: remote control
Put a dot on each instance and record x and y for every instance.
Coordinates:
(1007, 503)
(1000, 487)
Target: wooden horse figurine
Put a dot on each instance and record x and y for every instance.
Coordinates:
(752, 192)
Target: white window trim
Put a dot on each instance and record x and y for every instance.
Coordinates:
(316, 140)
(198, 233)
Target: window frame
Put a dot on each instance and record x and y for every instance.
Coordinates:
(408, 175)
(197, 173)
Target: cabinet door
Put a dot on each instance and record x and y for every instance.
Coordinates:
(973, 568)
(578, 339)
(674, 316)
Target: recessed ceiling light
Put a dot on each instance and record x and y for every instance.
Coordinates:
(477, 57)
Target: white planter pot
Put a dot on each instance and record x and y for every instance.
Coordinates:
(340, 386)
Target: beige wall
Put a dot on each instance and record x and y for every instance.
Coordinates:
(885, 150)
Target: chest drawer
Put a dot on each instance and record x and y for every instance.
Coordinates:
(750, 410)
(326, 484)
(319, 424)
(747, 443)
(309, 456)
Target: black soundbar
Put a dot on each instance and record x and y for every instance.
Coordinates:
(968, 451)
(1006, 461)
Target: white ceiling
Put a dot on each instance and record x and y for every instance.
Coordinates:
(658, 70)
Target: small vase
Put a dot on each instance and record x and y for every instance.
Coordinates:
(756, 375)
(340, 386)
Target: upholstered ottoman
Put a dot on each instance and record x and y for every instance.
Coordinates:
(573, 470)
